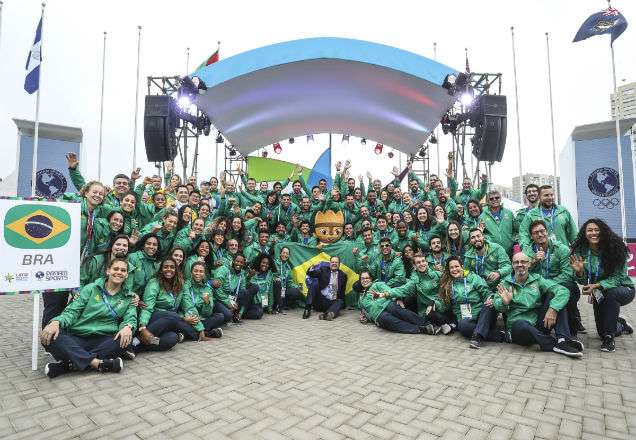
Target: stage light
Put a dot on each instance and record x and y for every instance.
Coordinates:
(363, 141)
(422, 152)
(310, 138)
(184, 102)
(206, 130)
(264, 153)
(291, 140)
(277, 148)
(345, 138)
(378, 149)
(232, 150)
(390, 154)
(432, 139)
(219, 139)
(455, 83)
(466, 98)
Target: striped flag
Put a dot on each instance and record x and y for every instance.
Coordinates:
(32, 79)
(210, 60)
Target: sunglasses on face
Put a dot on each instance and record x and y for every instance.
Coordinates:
(385, 245)
(494, 198)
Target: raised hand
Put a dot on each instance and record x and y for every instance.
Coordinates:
(136, 174)
(577, 264)
(369, 176)
(338, 165)
(71, 160)
(504, 294)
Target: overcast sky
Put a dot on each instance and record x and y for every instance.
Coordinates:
(72, 50)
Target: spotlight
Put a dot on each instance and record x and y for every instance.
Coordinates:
(264, 153)
(455, 83)
(467, 97)
(378, 149)
(219, 139)
(432, 139)
(363, 141)
(232, 150)
(422, 152)
(206, 130)
(390, 154)
(291, 140)
(277, 148)
(184, 102)
(345, 138)
(310, 138)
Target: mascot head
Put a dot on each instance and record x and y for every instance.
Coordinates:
(329, 225)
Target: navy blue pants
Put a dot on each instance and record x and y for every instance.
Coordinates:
(163, 325)
(574, 316)
(215, 320)
(292, 295)
(246, 303)
(396, 319)
(320, 303)
(224, 310)
(524, 333)
(82, 350)
(606, 312)
(483, 325)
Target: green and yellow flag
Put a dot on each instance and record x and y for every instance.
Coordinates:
(37, 227)
(302, 258)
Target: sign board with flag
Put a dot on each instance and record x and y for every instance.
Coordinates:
(40, 245)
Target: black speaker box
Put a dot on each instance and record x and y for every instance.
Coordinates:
(160, 122)
(489, 141)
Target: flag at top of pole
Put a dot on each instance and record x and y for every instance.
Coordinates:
(211, 59)
(609, 21)
(32, 79)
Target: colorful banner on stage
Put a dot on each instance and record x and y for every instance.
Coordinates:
(302, 258)
(40, 245)
(263, 169)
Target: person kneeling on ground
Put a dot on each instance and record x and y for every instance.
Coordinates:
(533, 306)
(467, 294)
(95, 328)
(197, 306)
(377, 306)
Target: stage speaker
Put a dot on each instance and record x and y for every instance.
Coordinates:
(160, 122)
(490, 124)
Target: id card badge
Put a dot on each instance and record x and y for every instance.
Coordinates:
(552, 237)
(233, 300)
(465, 311)
(265, 301)
(598, 295)
(282, 292)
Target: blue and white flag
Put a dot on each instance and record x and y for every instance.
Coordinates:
(609, 21)
(32, 80)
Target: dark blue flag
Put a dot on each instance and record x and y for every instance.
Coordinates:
(609, 21)
(32, 79)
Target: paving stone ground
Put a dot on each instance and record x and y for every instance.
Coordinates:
(285, 378)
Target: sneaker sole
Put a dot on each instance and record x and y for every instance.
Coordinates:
(474, 347)
(607, 350)
(577, 354)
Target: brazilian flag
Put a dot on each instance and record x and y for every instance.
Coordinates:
(302, 258)
(37, 227)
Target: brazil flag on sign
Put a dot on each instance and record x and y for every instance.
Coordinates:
(37, 227)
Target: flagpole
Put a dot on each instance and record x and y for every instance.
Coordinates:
(101, 113)
(36, 133)
(1, 3)
(514, 66)
(619, 151)
(187, 60)
(437, 145)
(554, 160)
(136, 98)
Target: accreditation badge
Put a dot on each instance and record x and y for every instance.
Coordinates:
(466, 311)
(265, 301)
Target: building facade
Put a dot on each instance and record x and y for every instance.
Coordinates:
(528, 178)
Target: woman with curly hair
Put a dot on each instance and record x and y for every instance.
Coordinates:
(456, 239)
(599, 260)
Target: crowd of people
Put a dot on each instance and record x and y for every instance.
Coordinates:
(164, 262)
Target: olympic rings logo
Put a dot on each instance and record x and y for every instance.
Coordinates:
(606, 203)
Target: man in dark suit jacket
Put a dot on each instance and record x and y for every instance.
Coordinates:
(327, 293)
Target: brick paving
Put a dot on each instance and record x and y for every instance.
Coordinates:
(285, 378)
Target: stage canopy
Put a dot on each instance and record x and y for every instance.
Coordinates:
(325, 85)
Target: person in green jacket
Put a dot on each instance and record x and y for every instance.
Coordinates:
(551, 260)
(437, 257)
(260, 247)
(599, 260)
(377, 306)
(500, 225)
(533, 307)
(404, 236)
(261, 276)
(486, 259)
(561, 225)
(104, 229)
(469, 297)
(286, 290)
(159, 324)
(201, 255)
(190, 236)
(95, 328)
(197, 307)
(144, 262)
(472, 216)
(303, 235)
(165, 230)
(456, 239)
(467, 193)
(96, 266)
(229, 289)
(531, 193)
(386, 266)
(425, 226)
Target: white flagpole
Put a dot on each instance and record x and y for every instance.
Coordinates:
(35, 343)
(187, 60)
(554, 160)
(101, 113)
(439, 169)
(136, 98)
(619, 152)
(1, 3)
(514, 66)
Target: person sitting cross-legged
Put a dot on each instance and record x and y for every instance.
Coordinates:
(327, 292)
(534, 306)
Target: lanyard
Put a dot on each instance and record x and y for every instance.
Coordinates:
(589, 268)
(545, 264)
(110, 308)
(552, 218)
(382, 270)
(217, 253)
(238, 284)
(283, 275)
(441, 260)
(497, 216)
(174, 299)
(479, 264)
(465, 295)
